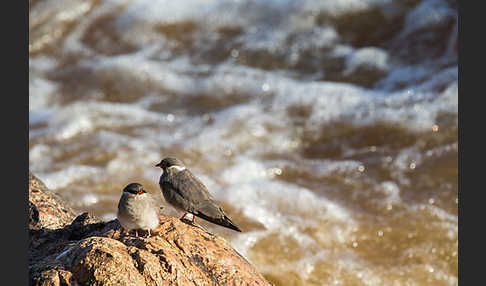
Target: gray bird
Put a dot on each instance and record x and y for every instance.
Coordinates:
(137, 209)
(185, 192)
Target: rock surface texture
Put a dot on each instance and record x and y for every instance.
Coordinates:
(65, 249)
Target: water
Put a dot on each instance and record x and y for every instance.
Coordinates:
(326, 129)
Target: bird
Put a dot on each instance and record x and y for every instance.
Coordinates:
(185, 192)
(137, 209)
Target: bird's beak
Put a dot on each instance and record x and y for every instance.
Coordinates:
(141, 192)
(158, 165)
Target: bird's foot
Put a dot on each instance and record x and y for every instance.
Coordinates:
(193, 221)
(122, 231)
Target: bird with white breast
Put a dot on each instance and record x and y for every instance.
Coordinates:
(137, 209)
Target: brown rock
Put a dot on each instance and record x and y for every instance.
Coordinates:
(46, 208)
(55, 278)
(90, 252)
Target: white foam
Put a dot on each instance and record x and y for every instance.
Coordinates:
(41, 93)
(40, 116)
(278, 206)
(340, 101)
(266, 25)
(82, 117)
(364, 106)
(406, 157)
(41, 63)
(40, 158)
(244, 171)
(428, 14)
(108, 216)
(323, 168)
(272, 203)
(59, 179)
(447, 219)
(391, 191)
(369, 57)
(89, 199)
(403, 75)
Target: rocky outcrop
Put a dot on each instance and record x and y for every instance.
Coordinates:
(46, 208)
(82, 250)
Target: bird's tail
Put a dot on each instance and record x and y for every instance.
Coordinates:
(224, 221)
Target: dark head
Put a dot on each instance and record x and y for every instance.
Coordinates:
(169, 162)
(134, 188)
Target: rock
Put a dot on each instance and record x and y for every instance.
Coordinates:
(46, 208)
(87, 251)
(56, 277)
(33, 216)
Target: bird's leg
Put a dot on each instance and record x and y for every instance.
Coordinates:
(136, 232)
(148, 233)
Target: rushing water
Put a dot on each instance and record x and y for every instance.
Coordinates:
(327, 129)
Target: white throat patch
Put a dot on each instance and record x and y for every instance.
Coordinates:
(177, 168)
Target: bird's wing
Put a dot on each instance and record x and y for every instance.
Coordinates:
(189, 187)
(197, 199)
